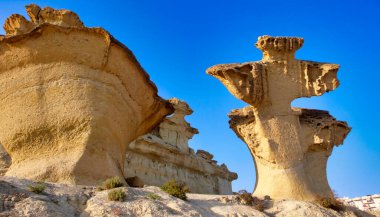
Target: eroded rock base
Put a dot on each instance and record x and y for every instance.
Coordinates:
(60, 200)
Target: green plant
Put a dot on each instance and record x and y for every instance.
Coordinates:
(37, 188)
(110, 183)
(331, 203)
(116, 195)
(153, 196)
(176, 189)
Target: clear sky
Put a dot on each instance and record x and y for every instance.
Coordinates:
(176, 41)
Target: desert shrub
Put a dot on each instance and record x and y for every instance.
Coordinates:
(153, 196)
(111, 183)
(176, 189)
(246, 198)
(116, 195)
(331, 203)
(37, 188)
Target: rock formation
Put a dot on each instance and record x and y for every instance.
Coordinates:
(290, 146)
(164, 154)
(71, 98)
(5, 160)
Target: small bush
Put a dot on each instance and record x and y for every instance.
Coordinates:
(153, 196)
(111, 183)
(246, 198)
(38, 188)
(176, 189)
(116, 195)
(331, 203)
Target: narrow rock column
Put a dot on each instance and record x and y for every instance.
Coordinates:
(290, 146)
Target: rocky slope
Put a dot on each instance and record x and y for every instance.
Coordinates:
(60, 200)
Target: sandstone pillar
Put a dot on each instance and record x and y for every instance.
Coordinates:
(290, 146)
(71, 99)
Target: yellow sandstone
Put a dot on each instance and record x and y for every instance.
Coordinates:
(71, 99)
(290, 146)
(164, 154)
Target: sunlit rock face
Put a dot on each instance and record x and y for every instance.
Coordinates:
(71, 98)
(164, 154)
(290, 146)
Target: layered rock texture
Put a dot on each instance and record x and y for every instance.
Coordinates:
(71, 98)
(164, 154)
(290, 146)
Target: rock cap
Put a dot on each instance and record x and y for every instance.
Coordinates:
(180, 106)
(278, 48)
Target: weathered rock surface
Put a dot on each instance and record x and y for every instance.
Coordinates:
(71, 98)
(60, 200)
(5, 160)
(290, 146)
(56, 199)
(164, 154)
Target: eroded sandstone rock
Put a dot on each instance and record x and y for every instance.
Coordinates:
(5, 160)
(164, 154)
(175, 130)
(71, 99)
(290, 146)
(205, 154)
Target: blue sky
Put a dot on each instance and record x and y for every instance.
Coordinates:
(176, 41)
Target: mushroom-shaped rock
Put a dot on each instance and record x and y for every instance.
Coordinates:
(290, 146)
(175, 129)
(71, 99)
